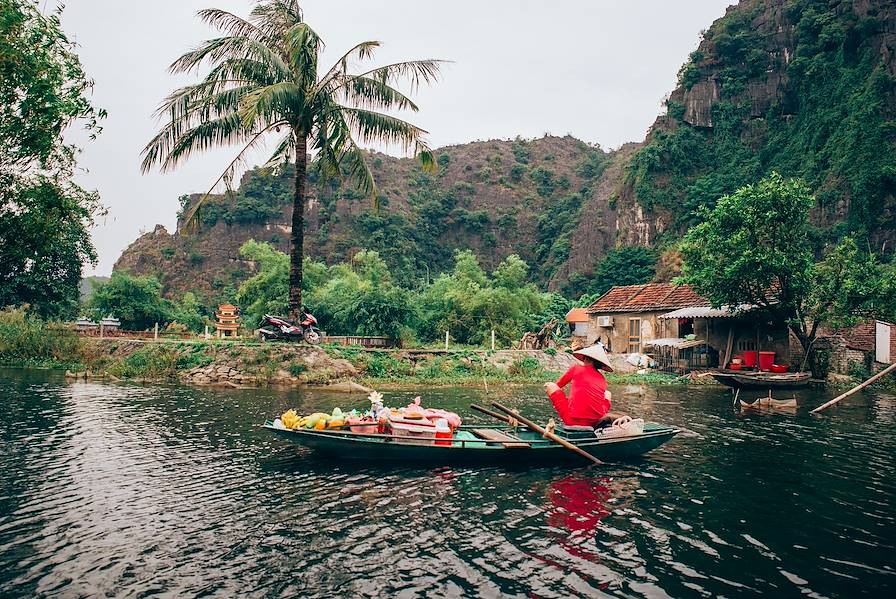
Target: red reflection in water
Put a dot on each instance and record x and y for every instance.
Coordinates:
(578, 504)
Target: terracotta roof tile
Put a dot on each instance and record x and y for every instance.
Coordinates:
(577, 315)
(647, 298)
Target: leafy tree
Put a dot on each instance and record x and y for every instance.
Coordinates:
(44, 216)
(264, 78)
(136, 301)
(190, 313)
(756, 247)
(268, 291)
(623, 266)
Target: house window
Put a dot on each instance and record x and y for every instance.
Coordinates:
(634, 335)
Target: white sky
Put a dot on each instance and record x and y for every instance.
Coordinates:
(597, 69)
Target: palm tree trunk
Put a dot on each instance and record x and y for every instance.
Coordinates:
(297, 238)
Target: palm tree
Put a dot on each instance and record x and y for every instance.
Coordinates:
(263, 79)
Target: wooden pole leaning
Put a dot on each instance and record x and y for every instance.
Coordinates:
(547, 433)
(859, 387)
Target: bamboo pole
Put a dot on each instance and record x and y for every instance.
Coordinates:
(859, 387)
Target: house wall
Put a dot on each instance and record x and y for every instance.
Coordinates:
(616, 337)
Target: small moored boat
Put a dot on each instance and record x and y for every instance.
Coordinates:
(477, 444)
(763, 380)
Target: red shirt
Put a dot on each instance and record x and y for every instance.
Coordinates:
(587, 402)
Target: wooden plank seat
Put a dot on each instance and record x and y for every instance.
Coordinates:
(495, 435)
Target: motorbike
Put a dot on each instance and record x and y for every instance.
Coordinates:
(277, 328)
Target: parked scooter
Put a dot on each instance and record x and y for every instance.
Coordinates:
(278, 328)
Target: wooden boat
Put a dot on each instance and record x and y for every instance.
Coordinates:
(763, 380)
(476, 444)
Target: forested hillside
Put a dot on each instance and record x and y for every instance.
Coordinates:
(495, 197)
(804, 87)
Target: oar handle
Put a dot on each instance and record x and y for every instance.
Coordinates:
(547, 434)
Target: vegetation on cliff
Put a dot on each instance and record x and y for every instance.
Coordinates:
(44, 216)
(803, 87)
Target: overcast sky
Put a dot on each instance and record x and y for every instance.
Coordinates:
(597, 69)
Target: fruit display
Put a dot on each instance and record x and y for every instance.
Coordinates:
(378, 419)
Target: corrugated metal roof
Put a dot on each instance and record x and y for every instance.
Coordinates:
(707, 312)
(646, 298)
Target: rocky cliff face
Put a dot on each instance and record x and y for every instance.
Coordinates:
(804, 87)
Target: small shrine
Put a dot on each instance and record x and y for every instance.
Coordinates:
(227, 320)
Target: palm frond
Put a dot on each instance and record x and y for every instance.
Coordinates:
(377, 127)
(362, 51)
(216, 50)
(280, 98)
(226, 176)
(416, 72)
(226, 21)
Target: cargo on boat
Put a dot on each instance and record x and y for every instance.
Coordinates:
(477, 444)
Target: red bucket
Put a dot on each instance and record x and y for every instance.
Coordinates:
(749, 359)
(766, 359)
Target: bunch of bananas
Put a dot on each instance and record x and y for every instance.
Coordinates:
(318, 420)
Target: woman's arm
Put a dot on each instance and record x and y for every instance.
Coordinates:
(566, 378)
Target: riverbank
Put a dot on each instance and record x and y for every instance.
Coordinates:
(253, 364)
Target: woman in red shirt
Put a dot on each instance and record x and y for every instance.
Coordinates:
(589, 401)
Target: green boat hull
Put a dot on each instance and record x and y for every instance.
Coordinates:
(381, 448)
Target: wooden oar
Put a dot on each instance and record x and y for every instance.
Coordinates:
(546, 433)
(488, 412)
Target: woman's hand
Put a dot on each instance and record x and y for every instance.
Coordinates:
(551, 388)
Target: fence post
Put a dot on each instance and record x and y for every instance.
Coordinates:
(206, 332)
(446, 340)
(493, 339)
(101, 329)
(155, 332)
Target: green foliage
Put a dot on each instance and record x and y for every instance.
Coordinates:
(756, 247)
(264, 79)
(831, 125)
(190, 313)
(623, 266)
(545, 184)
(558, 219)
(268, 291)
(27, 339)
(136, 301)
(520, 151)
(44, 216)
(593, 165)
(158, 361)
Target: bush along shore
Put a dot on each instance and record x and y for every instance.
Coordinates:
(26, 342)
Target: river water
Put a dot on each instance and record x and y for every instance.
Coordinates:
(126, 490)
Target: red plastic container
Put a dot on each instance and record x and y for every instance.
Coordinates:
(779, 368)
(734, 366)
(766, 359)
(749, 359)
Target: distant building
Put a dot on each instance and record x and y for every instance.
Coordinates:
(682, 331)
(227, 320)
(626, 318)
(580, 325)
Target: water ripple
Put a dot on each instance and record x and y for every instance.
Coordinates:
(136, 491)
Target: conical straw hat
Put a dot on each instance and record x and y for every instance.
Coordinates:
(596, 352)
